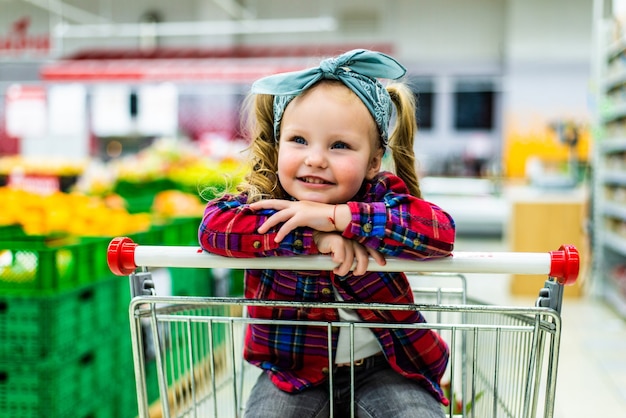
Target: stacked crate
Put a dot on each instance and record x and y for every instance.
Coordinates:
(62, 317)
(65, 341)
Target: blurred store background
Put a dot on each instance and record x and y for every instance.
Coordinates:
(115, 115)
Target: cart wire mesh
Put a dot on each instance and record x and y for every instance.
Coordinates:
(503, 360)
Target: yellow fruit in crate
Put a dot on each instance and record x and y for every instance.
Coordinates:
(79, 227)
(115, 201)
(118, 218)
(33, 222)
(64, 261)
(58, 219)
(170, 203)
(72, 213)
(142, 222)
(35, 228)
(7, 216)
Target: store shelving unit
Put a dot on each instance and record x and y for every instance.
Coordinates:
(610, 178)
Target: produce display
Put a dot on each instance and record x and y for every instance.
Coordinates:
(180, 165)
(68, 213)
(168, 179)
(54, 238)
(165, 166)
(175, 203)
(42, 166)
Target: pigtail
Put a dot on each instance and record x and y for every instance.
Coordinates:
(261, 181)
(402, 138)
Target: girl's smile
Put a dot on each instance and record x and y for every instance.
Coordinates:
(314, 181)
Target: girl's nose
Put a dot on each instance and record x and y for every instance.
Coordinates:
(316, 159)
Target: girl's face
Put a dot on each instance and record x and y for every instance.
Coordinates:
(328, 145)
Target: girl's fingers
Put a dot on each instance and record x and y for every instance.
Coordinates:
(285, 229)
(362, 260)
(343, 269)
(344, 256)
(277, 204)
(275, 219)
(295, 214)
(378, 257)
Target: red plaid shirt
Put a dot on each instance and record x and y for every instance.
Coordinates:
(385, 217)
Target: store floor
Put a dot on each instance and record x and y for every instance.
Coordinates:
(591, 380)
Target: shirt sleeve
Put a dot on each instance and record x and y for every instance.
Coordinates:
(395, 223)
(229, 228)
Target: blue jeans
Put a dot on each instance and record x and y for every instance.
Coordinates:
(379, 392)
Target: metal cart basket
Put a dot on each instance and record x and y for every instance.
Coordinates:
(503, 359)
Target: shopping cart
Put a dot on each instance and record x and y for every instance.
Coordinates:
(503, 359)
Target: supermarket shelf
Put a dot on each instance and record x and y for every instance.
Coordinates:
(614, 241)
(610, 182)
(615, 177)
(612, 144)
(615, 210)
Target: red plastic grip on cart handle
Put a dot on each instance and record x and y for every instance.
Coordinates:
(565, 264)
(121, 256)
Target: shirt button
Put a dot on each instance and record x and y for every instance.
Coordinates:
(416, 242)
(326, 291)
(325, 370)
(367, 228)
(298, 244)
(256, 244)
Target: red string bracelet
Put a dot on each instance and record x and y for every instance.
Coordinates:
(332, 220)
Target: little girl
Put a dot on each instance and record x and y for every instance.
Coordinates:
(315, 186)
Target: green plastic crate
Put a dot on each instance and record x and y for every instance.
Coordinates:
(181, 231)
(126, 393)
(191, 281)
(237, 282)
(36, 328)
(176, 335)
(152, 383)
(119, 398)
(106, 408)
(69, 388)
(144, 187)
(153, 236)
(11, 232)
(140, 195)
(139, 203)
(48, 266)
(125, 404)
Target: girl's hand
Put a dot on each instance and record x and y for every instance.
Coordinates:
(319, 216)
(346, 252)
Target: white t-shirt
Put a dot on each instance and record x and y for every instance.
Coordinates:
(365, 342)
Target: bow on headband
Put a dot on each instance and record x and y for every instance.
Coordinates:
(357, 69)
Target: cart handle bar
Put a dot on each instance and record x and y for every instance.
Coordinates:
(124, 256)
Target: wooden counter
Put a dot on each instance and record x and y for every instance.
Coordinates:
(543, 220)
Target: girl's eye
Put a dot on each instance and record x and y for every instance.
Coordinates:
(340, 145)
(298, 140)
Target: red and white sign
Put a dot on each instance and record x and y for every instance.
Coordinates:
(222, 70)
(39, 184)
(26, 111)
(19, 41)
